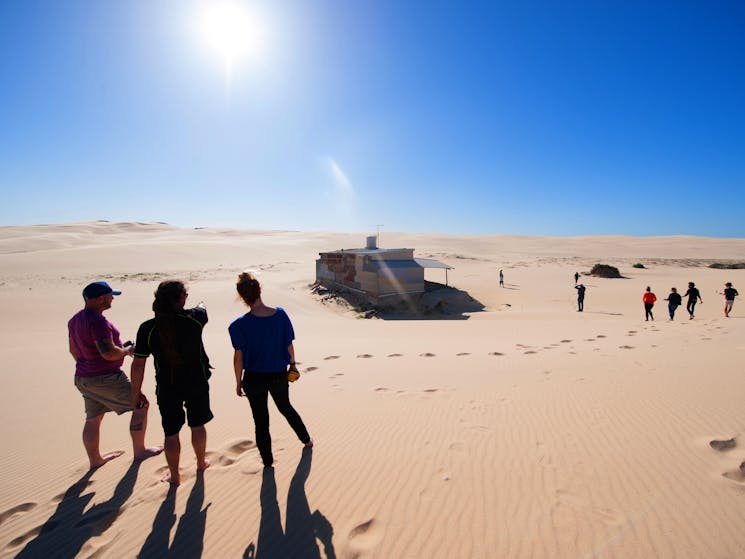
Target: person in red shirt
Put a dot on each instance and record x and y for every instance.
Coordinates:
(649, 298)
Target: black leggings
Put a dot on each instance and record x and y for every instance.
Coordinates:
(691, 306)
(648, 311)
(257, 387)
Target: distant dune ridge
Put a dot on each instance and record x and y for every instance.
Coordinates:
(525, 429)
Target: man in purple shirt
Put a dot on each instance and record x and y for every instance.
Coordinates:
(96, 346)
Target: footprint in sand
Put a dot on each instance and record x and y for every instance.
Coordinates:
(328, 357)
(496, 353)
(230, 453)
(24, 507)
(461, 354)
(736, 475)
(310, 369)
(364, 356)
(382, 389)
(721, 445)
(365, 536)
(566, 341)
(529, 352)
(426, 354)
(31, 534)
(625, 347)
(600, 336)
(395, 355)
(631, 332)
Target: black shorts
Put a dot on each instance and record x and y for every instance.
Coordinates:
(173, 400)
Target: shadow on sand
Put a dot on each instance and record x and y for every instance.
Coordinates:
(303, 528)
(188, 542)
(65, 532)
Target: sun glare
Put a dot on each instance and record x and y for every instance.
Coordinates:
(232, 31)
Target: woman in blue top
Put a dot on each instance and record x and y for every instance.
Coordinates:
(262, 340)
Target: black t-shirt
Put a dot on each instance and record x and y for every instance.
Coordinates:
(730, 293)
(692, 294)
(188, 364)
(674, 299)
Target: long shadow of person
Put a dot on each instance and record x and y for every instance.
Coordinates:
(66, 531)
(188, 541)
(302, 527)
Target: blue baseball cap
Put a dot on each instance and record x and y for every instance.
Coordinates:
(98, 288)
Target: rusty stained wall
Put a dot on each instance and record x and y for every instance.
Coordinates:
(363, 272)
(346, 270)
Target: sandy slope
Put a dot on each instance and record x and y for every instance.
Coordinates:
(526, 430)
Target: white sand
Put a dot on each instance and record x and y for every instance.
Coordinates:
(527, 430)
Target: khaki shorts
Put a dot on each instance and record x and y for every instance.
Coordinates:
(104, 393)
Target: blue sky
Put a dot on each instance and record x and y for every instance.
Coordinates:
(519, 117)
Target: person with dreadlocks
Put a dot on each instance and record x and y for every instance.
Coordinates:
(182, 369)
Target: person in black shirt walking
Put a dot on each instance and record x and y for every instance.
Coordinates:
(694, 296)
(729, 298)
(674, 300)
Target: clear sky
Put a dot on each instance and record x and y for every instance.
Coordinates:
(529, 117)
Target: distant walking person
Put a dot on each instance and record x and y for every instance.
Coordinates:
(96, 346)
(580, 297)
(693, 297)
(576, 277)
(674, 300)
(649, 299)
(501, 279)
(262, 339)
(729, 298)
(182, 369)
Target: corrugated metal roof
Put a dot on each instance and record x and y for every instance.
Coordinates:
(395, 264)
(431, 263)
(364, 250)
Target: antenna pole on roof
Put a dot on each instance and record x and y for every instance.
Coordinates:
(379, 225)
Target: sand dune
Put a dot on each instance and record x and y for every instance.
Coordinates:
(525, 430)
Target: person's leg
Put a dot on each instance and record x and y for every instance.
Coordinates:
(199, 442)
(257, 393)
(281, 396)
(91, 439)
(173, 454)
(198, 412)
(137, 427)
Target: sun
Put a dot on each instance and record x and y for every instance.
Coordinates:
(232, 31)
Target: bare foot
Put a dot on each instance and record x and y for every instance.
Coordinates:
(105, 458)
(202, 467)
(175, 481)
(309, 444)
(149, 452)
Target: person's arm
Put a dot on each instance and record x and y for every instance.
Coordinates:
(111, 352)
(72, 349)
(136, 376)
(238, 369)
(291, 351)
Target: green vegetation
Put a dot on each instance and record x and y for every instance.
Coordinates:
(605, 271)
(728, 266)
